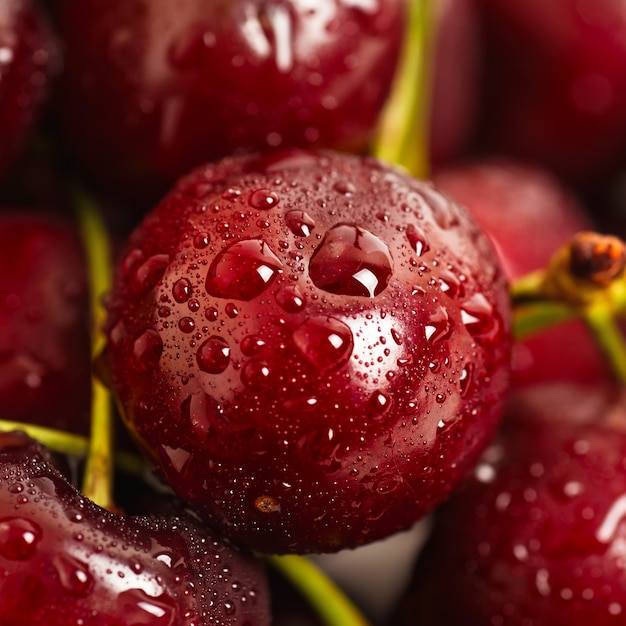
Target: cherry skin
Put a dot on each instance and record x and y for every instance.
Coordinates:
(45, 355)
(28, 61)
(554, 84)
(313, 347)
(536, 534)
(152, 88)
(66, 561)
(528, 214)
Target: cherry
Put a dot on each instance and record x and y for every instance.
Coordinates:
(66, 561)
(528, 214)
(152, 88)
(536, 534)
(44, 327)
(28, 60)
(312, 346)
(554, 84)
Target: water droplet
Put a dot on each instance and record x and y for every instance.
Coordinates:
(466, 379)
(182, 290)
(299, 223)
(73, 574)
(201, 240)
(231, 310)
(290, 299)
(147, 349)
(140, 609)
(345, 188)
(243, 270)
(213, 355)
(251, 345)
(211, 314)
(200, 409)
(263, 199)
(150, 272)
(186, 324)
(18, 538)
(301, 405)
(478, 317)
(255, 373)
(379, 404)
(440, 398)
(438, 327)
(417, 240)
(351, 261)
(451, 285)
(231, 193)
(324, 341)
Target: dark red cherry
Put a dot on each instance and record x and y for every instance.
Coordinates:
(65, 561)
(28, 59)
(528, 214)
(536, 534)
(316, 371)
(152, 88)
(44, 322)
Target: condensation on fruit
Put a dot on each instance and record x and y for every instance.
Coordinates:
(351, 328)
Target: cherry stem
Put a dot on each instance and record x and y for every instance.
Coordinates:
(330, 603)
(98, 477)
(586, 279)
(74, 445)
(403, 136)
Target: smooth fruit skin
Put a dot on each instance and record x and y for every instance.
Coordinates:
(312, 346)
(28, 61)
(536, 534)
(45, 354)
(554, 87)
(154, 87)
(528, 214)
(65, 561)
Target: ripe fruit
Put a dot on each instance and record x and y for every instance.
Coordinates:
(28, 58)
(44, 327)
(536, 534)
(554, 83)
(65, 561)
(528, 215)
(312, 346)
(152, 88)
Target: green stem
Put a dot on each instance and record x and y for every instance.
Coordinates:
(75, 445)
(600, 320)
(331, 604)
(530, 319)
(98, 479)
(403, 134)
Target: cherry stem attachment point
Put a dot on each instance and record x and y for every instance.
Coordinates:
(98, 478)
(585, 279)
(330, 603)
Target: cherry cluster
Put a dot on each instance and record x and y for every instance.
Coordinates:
(328, 292)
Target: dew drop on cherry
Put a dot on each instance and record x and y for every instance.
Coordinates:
(324, 341)
(299, 223)
(147, 349)
(351, 261)
(73, 574)
(201, 240)
(477, 316)
(186, 324)
(213, 355)
(141, 609)
(263, 199)
(290, 299)
(256, 373)
(182, 290)
(417, 240)
(150, 272)
(18, 538)
(439, 326)
(243, 270)
(251, 345)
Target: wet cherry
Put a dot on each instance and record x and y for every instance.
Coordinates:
(28, 60)
(152, 88)
(536, 533)
(66, 561)
(333, 380)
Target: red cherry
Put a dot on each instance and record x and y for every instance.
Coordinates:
(528, 214)
(536, 533)
(152, 88)
(45, 355)
(28, 58)
(317, 373)
(65, 561)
